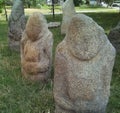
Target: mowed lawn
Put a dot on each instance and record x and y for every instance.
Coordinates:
(18, 95)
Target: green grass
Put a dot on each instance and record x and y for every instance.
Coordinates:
(114, 101)
(18, 95)
(106, 20)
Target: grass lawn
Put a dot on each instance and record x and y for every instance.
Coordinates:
(58, 9)
(20, 96)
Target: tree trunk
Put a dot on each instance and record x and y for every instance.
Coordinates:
(5, 11)
(53, 10)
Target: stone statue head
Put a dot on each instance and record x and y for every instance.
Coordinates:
(84, 37)
(36, 26)
(17, 9)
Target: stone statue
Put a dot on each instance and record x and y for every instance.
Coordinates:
(17, 22)
(83, 68)
(68, 10)
(36, 49)
(114, 37)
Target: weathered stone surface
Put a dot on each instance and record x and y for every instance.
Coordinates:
(16, 25)
(83, 68)
(114, 37)
(36, 49)
(68, 10)
(53, 24)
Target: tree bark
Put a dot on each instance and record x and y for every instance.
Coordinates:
(53, 9)
(5, 11)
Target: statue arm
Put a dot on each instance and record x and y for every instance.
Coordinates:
(107, 76)
(108, 68)
(61, 95)
(10, 34)
(23, 41)
(49, 46)
(46, 55)
(34, 67)
(22, 44)
(23, 22)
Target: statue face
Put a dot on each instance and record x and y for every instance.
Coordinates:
(33, 31)
(84, 37)
(35, 26)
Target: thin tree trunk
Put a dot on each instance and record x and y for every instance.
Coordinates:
(5, 11)
(53, 9)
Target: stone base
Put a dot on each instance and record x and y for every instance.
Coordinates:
(53, 24)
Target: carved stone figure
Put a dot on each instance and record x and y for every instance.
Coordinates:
(17, 22)
(68, 10)
(36, 49)
(83, 68)
(114, 37)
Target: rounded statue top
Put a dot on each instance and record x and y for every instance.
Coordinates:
(17, 9)
(68, 6)
(36, 26)
(84, 37)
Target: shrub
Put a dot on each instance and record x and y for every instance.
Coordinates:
(76, 2)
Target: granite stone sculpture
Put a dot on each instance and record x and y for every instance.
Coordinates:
(36, 49)
(68, 10)
(114, 37)
(83, 68)
(17, 22)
